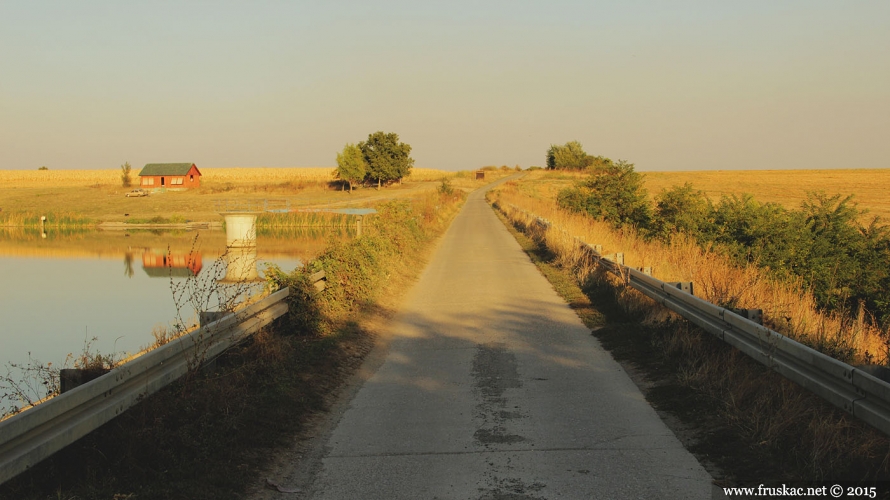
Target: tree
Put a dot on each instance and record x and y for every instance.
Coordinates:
(125, 174)
(570, 156)
(351, 165)
(387, 158)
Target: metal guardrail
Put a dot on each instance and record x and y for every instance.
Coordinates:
(36, 433)
(845, 386)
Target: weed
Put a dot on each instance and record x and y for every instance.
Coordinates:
(27, 384)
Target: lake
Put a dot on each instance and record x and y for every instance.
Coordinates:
(59, 290)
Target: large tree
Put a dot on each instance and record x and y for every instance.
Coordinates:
(351, 165)
(570, 156)
(387, 158)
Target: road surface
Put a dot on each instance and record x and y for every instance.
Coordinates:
(492, 388)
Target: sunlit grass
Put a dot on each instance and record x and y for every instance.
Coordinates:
(788, 307)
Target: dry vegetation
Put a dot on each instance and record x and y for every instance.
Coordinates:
(786, 187)
(97, 195)
(234, 175)
(787, 308)
(755, 426)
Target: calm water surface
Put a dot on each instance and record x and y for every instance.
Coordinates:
(55, 295)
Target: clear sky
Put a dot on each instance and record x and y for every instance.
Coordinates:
(665, 84)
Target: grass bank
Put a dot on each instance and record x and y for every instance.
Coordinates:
(748, 425)
(51, 220)
(211, 435)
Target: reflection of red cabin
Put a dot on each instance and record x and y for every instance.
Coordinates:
(163, 265)
(170, 175)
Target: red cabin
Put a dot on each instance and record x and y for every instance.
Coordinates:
(161, 264)
(170, 176)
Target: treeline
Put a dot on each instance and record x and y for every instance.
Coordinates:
(824, 243)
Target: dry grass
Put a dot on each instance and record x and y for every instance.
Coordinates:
(786, 187)
(232, 175)
(99, 196)
(755, 426)
(787, 308)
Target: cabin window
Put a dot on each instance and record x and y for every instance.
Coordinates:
(148, 181)
(191, 178)
(176, 181)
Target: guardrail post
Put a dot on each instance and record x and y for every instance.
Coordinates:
(685, 286)
(207, 317)
(617, 258)
(755, 315)
(318, 280)
(645, 270)
(69, 378)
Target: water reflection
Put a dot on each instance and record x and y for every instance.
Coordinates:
(159, 264)
(58, 291)
(128, 264)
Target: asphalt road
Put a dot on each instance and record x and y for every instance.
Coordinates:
(492, 388)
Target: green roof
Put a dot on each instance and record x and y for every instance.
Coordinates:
(166, 272)
(166, 169)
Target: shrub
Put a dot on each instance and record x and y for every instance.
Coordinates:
(613, 192)
(681, 209)
(445, 188)
(125, 174)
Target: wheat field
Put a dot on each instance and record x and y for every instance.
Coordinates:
(786, 187)
(228, 175)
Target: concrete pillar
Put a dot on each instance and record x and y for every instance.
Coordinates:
(240, 229)
(241, 265)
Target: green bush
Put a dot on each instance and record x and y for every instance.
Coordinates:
(445, 188)
(613, 192)
(681, 209)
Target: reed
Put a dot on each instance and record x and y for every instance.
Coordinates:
(55, 220)
(303, 219)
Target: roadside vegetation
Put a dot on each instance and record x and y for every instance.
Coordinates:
(211, 435)
(745, 423)
(821, 255)
(751, 425)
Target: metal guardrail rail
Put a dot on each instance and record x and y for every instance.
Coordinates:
(843, 385)
(38, 432)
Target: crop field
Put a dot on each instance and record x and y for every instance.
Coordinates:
(233, 175)
(786, 187)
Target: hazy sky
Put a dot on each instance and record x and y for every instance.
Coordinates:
(667, 85)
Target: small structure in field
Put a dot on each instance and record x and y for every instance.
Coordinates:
(480, 175)
(170, 175)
